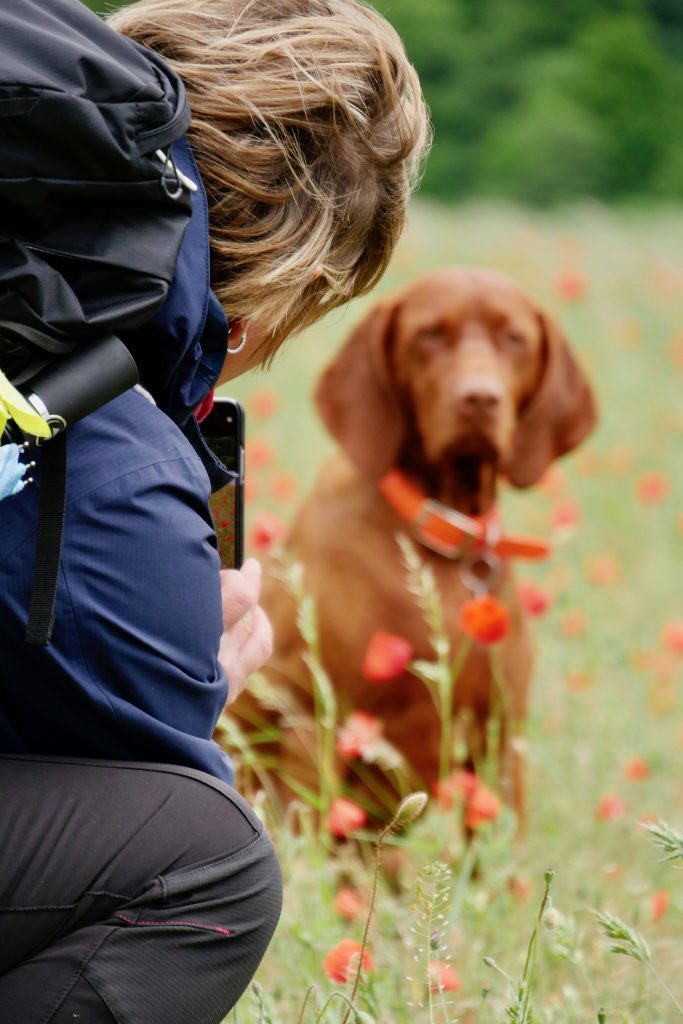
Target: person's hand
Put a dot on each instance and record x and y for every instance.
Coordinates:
(247, 640)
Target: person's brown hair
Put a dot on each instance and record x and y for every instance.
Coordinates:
(309, 129)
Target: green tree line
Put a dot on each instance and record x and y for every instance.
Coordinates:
(545, 101)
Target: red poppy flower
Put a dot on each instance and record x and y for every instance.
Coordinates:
(482, 806)
(603, 570)
(672, 636)
(659, 904)
(636, 769)
(455, 789)
(536, 600)
(263, 403)
(484, 618)
(341, 963)
(386, 657)
(344, 817)
(257, 453)
(565, 515)
(348, 904)
(570, 285)
(652, 487)
(358, 734)
(265, 531)
(574, 622)
(610, 807)
(442, 977)
(283, 486)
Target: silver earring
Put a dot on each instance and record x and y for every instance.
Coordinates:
(243, 341)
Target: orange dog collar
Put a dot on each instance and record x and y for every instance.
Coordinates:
(451, 533)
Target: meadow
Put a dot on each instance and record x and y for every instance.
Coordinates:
(605, 735)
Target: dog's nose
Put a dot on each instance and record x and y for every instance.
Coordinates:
(478, 396)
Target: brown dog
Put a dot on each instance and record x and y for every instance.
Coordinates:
(456, 379)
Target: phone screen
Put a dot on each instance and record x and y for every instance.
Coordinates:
(223, 430)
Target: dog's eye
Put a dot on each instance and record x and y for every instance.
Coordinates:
(515, 339)
(431, 336)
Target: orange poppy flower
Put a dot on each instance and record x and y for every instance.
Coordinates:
(610, 807)
(283, 486)
(455, 788)
(652, 487)
(257, 453)
(265, 531)
(536, 600)
(636, 769)
(659, 904)
(574, 622)
(348, 904)
(263, 403)
(341, 963)
(344, 817)
(442, 977)
(672, 636)
(482, 806)
(386, 657)
(484, 619)
(570, 284)
(358, 734)
(603, 570)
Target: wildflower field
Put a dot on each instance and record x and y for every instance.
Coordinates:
(497, 930)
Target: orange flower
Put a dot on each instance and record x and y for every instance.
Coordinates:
(455, 788)
(636, 769)
(574, 622)
(659, 904)
(578, 681)
(672, 636)
(341, 963)
(610, 807)
(536, 600)
(484, 618)
(482, 806)
(565, 515)
(265, 531)
(603, 570)
(570, 284)
(345, 817)
(442, 977)
(257, 453)
(520, 887)
(358, 734)
(386, 657)
(348, 904)
(263, 403)
(283, 486)
(652, 487)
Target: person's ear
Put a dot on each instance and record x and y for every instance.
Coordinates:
(356, 397)
(559, 415)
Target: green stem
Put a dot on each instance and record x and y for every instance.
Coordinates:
(446, 690)
(309, 990)
(666, 989)
(373, 897)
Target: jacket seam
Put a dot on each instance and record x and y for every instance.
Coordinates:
(193, 459)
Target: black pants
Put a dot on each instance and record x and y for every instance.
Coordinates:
(129, 893)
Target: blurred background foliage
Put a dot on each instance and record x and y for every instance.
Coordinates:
(544, 103)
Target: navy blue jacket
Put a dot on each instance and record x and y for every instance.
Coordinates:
(132, 671)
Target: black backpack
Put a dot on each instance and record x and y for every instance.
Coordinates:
(93, 212)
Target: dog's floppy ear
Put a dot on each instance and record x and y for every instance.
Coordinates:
(559, 415)
(356, 399)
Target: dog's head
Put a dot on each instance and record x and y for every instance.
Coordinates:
(457, 377)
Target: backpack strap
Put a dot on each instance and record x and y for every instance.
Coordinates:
(52, 508)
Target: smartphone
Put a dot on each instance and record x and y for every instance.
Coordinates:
(223, 430)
